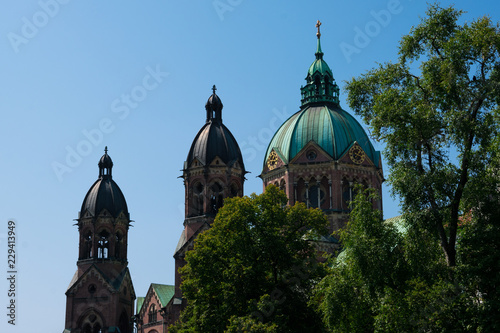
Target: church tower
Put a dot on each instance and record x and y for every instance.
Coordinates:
(100, 297)
(213, 171)
(321, 151)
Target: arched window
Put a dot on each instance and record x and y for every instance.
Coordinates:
(87, 328)
(103, 245)
(283, 185)
(87, 251)
(152, 314)
(118, 244)
(97, 328)
(235, 190)
(197, 207)
(327, 85)
(300, 191)
(316, 194)
(216, 197)
(317, 85)
(91, 323)
(346, 193)
(124, 324)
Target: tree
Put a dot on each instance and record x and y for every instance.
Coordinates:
(390, 277)
(361, 271)
(440, 99)
(254, 270)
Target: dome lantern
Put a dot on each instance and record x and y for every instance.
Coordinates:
(214, 107)
(105, 165)
(321, 86)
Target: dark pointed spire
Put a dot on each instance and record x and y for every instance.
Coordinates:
(105, 164)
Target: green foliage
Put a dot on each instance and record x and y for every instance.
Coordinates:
(479, 269)
(251, 325)
(439, 99)
(254, 269)
(391, 277)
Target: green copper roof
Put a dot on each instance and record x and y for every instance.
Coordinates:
(399, 223)
(320, 86)
(320, 119)
(319, 65)
(330, 127)
(164, 292)
(140, 301)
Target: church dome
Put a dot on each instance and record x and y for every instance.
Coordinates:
(214, 139)
(330, 127)
(104, 193)
(320, 119)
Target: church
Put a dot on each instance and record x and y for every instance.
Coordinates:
(316, 157)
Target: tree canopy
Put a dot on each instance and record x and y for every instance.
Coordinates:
(255, 269)
(437, 111)
(390, 277)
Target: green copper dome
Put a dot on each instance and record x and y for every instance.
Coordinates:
(330, 127)
(320, 119)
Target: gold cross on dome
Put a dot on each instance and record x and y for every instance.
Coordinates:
(318, 24)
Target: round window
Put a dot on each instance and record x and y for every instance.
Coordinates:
(311, 155)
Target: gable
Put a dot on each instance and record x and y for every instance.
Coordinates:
(164, 292)
(92, 276)
(196, 163)
(274, 160)
(217, 161)
(355, 155)
(311, 153)
(123, 283)
(159, 295)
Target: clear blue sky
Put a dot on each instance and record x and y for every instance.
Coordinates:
(65, 72)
